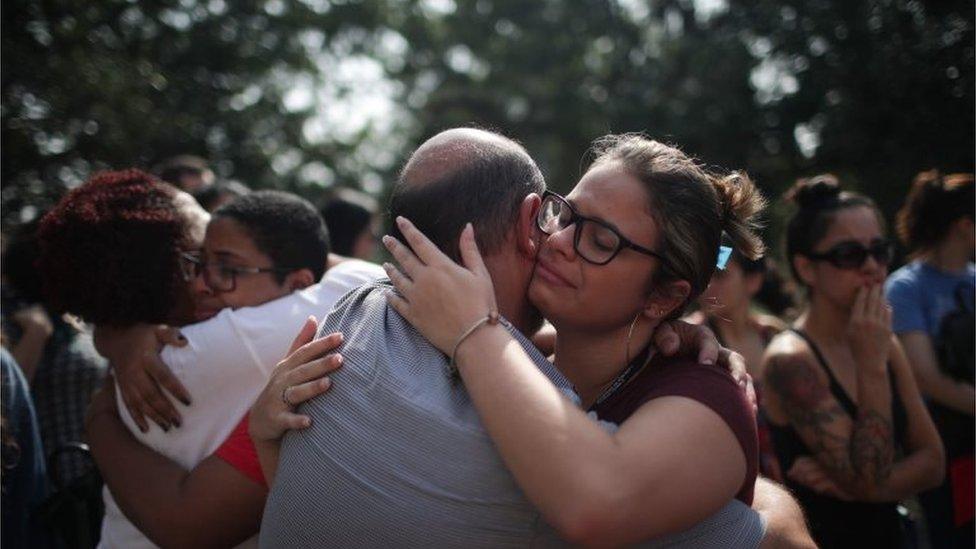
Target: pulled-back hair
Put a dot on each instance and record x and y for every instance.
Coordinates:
(818, 199)
(934, 203)
(109, 250)
(284, 227)
(691, 206)
(486, 190)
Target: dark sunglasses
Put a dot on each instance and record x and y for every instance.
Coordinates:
(852, 255)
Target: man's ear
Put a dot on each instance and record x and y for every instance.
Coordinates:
(663, 301)
(804, 268)
(302, 278)
(527, 235)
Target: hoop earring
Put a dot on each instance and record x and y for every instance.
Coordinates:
(630, 334)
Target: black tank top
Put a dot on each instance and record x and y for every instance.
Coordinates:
(833, 522)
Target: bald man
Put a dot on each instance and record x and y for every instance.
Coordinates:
(396, 455)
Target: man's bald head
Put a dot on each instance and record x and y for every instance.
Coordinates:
(465, 175)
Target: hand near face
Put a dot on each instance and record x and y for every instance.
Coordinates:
(869, 328)
(440, 298)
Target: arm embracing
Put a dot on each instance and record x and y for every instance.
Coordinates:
(592, 486)
(212, 505)
(785, 525)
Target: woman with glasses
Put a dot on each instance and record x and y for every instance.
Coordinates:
(632, 245)
(848, 424)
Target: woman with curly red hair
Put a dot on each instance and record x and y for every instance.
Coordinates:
(129, 228)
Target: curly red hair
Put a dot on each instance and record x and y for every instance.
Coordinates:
(110, 249)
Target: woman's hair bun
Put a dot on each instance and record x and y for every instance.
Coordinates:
(813, 192)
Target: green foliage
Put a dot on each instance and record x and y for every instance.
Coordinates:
(872, 90)
(111, 84)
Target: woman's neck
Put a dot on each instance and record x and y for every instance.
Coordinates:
(734, 323)
(592, 360)
(825, 321)
(950, 256)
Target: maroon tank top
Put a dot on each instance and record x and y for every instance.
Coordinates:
(712, 386)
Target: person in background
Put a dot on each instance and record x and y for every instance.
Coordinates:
(24, 479)
(777, 294)
(186, 172)
(220, 193)
(56, 353)
(351, 217)
(259, 277)
(849, 426)
(932, 298)
(727, 307)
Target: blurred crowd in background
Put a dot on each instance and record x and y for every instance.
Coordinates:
(831, 106)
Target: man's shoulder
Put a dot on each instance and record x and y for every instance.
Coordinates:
(364, 301)
(369, 324)
(354, 272)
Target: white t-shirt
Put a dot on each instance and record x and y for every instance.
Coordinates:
(224, 366)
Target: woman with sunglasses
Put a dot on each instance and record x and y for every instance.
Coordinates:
(630, 246)
(848, 424)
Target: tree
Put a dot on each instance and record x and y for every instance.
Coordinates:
(95, 85)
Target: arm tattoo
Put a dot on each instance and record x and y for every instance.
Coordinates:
(872, 446)
(863, 455)
(796, 383)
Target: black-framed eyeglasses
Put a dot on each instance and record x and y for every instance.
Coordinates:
(595, 241)
(218, 276)
(852, 255)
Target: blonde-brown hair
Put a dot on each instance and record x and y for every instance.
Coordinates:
(691, 205)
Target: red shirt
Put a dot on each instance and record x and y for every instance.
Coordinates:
(238, 450)
(710, 385)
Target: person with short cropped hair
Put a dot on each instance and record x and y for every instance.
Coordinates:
(933, 301)
(257, 278)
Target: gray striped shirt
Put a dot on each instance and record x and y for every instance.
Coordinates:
(397, 457)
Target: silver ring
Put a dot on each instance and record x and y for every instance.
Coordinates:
(284, 397)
